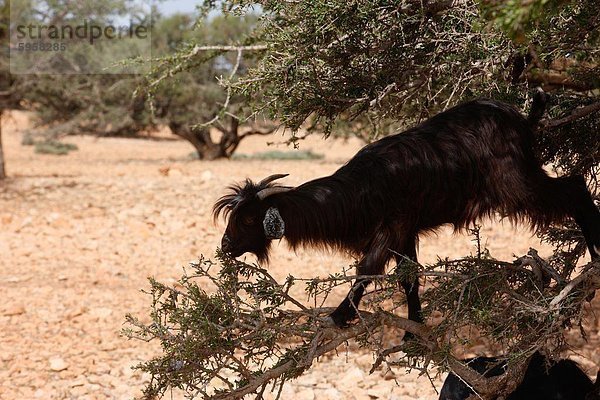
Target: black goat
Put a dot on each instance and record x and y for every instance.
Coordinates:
(463, 164)
(543, 380)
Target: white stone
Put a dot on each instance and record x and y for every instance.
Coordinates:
(58, 364)
(206, 175)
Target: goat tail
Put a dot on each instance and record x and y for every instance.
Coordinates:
(538, 107)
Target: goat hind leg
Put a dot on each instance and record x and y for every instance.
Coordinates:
(589, 222)
(577, 201)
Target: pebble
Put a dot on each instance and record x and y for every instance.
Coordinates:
(58, 364)
(307, 394)
(380, 391)
(100, 312)
(351, 378)
(332, 394)
(15, 309)
(206, 176)
(175, 172)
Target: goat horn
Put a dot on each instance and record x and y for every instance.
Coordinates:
(263, 194)
(271, 178)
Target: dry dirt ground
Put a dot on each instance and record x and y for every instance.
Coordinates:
(80, 234)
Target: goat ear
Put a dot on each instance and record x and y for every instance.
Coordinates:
(273, 224)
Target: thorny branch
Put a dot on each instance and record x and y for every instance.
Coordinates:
(234, 331)
(575, 115)
(228, 98)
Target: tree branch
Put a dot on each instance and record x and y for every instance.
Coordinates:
(262, 132)
(575, 114)
(228, 98)
(198, 49)
(549, 79)
(334, 337)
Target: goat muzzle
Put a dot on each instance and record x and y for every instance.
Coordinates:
(226, 244)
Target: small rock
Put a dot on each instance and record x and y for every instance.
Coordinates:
(6, 219)
(100, 312)
(60, 223)
(128, 372)
(175, 172)
(78, 391)
(164, 171)
(17, 279)
(14, 310)
(379, 392)
(78, 382)
(360, 395)
(206, 176)
(107, 346)
(26, 222)
(306, 394)
(306, 380)
(58, 364)
(91, 245)
(351, 378)
(365, 361)
(332, 394)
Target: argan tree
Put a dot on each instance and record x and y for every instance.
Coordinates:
(9, 96)
(190, 103)
(195, 100)
(368, 67)
(57, 101)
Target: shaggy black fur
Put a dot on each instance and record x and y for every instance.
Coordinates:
(543, 380)
(466, 163)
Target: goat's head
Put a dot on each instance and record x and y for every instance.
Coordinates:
(252, 220)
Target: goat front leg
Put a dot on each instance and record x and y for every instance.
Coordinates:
(372, 264)
(348, 308)
(410, 284)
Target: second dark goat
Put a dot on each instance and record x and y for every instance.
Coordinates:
(468, 162)
(544, 379)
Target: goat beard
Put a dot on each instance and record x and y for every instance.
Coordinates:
(262, 255)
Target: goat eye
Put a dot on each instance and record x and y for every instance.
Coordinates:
(248, 220)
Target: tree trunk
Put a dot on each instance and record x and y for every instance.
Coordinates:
(206, 149)
(2, 170)
(209, 150)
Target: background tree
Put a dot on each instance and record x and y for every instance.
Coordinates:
(193, 102)
(372, 66)
(127, 105)
(57, 101)
(4, 75)
(9, 96)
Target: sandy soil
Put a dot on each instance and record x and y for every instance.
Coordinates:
(80, 234)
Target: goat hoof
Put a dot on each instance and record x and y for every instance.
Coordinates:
(338, 321)
(408, 338)
(590, 297)
(328, 322)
